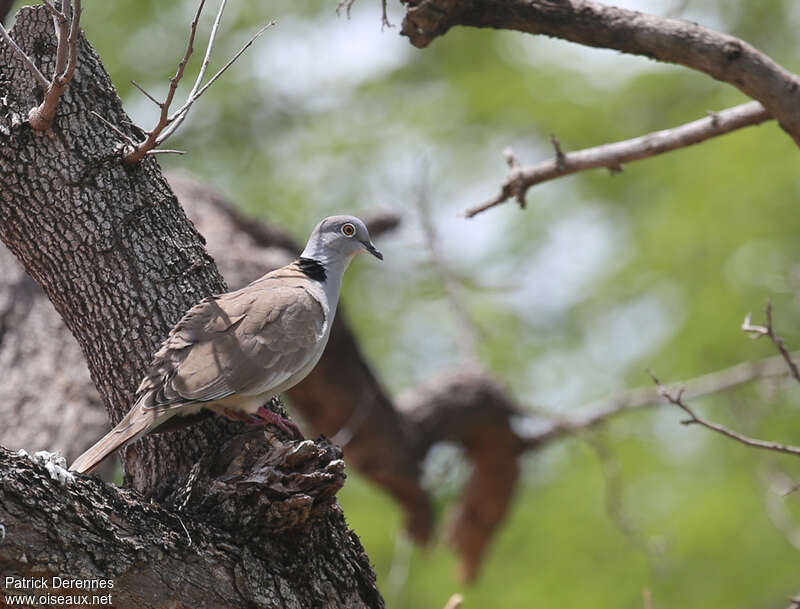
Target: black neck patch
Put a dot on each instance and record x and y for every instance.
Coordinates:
(313, 269)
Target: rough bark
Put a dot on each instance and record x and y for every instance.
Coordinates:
(719, 55)
(111, 247)
(117, 257)
(43, 372)
(295, 552)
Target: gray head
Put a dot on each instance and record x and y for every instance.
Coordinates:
(337, 239)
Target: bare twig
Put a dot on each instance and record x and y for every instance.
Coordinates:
(560, 159)
(145, 93)
(166, 151)
(384, 16)
(768, 330)
(180, 115)
(346, 5)
(67, 28)
(676, 398)
(612, 156)
(40, 79)
(596, 24)
(558, 425)
(110, 125)
(133, 152)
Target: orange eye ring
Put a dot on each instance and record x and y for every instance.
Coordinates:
(348, 230)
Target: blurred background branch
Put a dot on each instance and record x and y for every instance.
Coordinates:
(614, 156)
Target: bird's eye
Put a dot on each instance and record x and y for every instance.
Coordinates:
(348, 230)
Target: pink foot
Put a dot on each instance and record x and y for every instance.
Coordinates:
(265, 416)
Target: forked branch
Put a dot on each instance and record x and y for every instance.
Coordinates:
(67, 27)
(676, 398)
(133, 150)
(721, 56)
(612, 156)
(768, 330)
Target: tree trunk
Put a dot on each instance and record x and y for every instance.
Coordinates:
(121, 263)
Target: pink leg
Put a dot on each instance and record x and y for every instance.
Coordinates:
(265, 416)
(237, 415)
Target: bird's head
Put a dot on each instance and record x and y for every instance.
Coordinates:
(339, 238)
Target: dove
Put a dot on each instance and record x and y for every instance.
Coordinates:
(231, 353)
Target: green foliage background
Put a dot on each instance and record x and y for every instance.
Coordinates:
(600, 277)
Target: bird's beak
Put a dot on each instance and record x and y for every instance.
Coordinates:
(372, 249)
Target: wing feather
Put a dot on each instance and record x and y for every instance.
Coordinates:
(243, 342)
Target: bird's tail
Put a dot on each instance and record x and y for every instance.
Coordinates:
(133, 426)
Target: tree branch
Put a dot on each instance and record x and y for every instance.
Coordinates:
(37, 75)
(612, 156)
(141, 265)
(67, 28)
(134, 152)
(719, 55)
(556, 426)
(759, 331)
(676, 398)
(214, 558)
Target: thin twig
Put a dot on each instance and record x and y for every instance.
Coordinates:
(596, 24)
(768, 330)
(137, 151)
(676, 398)
(169, 122)
(61, 26)
(125, 137)
(613, 156)
(165, 151)
(146, 94)
(40, 78)
(588, 415)
(346, 5)
(177, 118)
(181, 112)
(385, 16)
(67, 30)
(561, 159)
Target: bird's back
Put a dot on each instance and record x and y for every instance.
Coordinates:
(247, 342)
